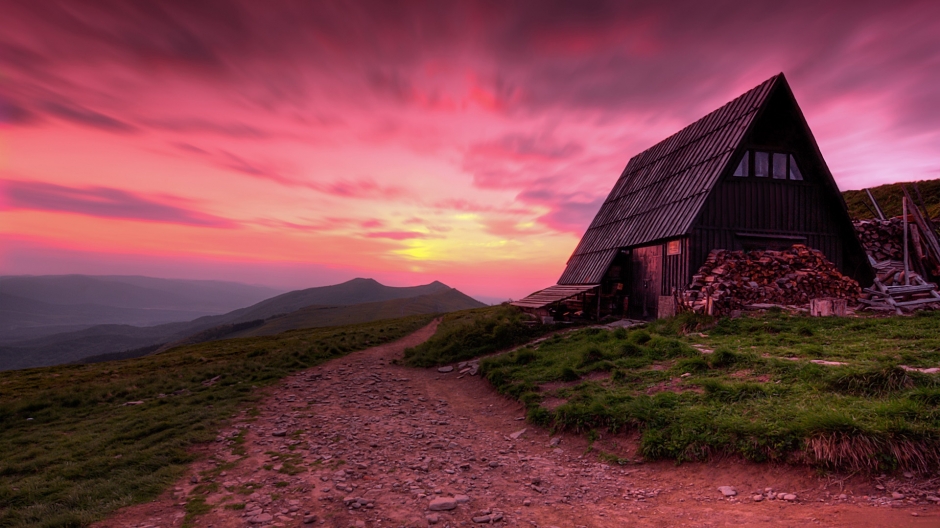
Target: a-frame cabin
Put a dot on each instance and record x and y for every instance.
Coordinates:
(746, 176)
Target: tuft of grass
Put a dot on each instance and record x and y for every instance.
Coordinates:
(758, 395)
(71, 451)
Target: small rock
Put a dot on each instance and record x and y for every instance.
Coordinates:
(261, 518)
(554, 441)
(433, 518)
(758, 498)
(461, 499)
(517, 434)
(728, 491)
(482, 519)
(494, 464)
(279, 433)
(442, 504)
(448, 368)
(789, 497)
(908, 474)
(310, 519)
(527, 502)
(896, 495)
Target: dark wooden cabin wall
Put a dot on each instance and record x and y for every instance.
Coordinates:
(676, 274)
(775, 208)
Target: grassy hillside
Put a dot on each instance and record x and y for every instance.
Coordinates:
(889, 198)
(756, 393)
(473, 333)
(71, 450)
(355, 291)
(450, 300)
(107, 340)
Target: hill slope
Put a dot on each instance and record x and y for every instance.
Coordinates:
(449, 300)
(889, 199)
(355, 291)
(112, 340)
(34, 306)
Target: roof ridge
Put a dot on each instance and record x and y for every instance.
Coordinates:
(722, 124)
(662, 188)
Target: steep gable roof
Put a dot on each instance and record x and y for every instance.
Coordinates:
(662, 189)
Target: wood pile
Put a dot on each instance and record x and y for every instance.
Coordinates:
(733, 280)
(893, 292)
(882, 239)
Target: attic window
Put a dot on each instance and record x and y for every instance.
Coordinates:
(779, 165)
(742, 170)
(761, 164)
(795, 173)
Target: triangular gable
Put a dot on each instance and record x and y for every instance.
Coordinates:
(662, 189)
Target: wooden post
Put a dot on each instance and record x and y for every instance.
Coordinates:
(907, 267)
(598, 303)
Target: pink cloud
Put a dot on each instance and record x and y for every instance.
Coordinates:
(104, 202)
(401, 115)
(396, 235)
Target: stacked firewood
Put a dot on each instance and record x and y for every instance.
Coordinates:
(732, 280)
(882, 239)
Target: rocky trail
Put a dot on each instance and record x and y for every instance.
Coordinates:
(363, 442)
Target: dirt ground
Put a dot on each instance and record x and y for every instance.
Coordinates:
(360, 441)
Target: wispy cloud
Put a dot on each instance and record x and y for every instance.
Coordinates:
(104, 202)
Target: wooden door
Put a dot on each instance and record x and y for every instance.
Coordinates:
(646, 281)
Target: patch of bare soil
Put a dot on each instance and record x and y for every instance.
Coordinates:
(675, 385)
(364, 442)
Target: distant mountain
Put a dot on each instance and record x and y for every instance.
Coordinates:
(447, 300)
(35, 306)
(356, 291)
(113, 340)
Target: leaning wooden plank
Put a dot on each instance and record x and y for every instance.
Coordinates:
(915, 302)
(875, 203)
(933, 245)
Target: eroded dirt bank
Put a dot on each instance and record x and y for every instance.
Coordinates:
(360, 441)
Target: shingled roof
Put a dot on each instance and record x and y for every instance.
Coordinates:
(662, 189)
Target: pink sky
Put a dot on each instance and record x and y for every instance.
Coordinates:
(298, 144)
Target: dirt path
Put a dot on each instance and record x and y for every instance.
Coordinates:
(362, 442)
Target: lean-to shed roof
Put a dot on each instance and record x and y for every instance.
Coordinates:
(662, 189)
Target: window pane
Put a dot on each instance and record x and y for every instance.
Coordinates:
(780, 166)
(742, 167)
(795, 173)
(761, 162)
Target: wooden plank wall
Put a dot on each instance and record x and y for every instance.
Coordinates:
(676, 268)
(765, 206)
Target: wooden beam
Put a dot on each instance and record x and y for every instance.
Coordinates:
(881, 215)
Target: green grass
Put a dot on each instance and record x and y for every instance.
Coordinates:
(71, 451)
(472, 333)
(749, 397)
